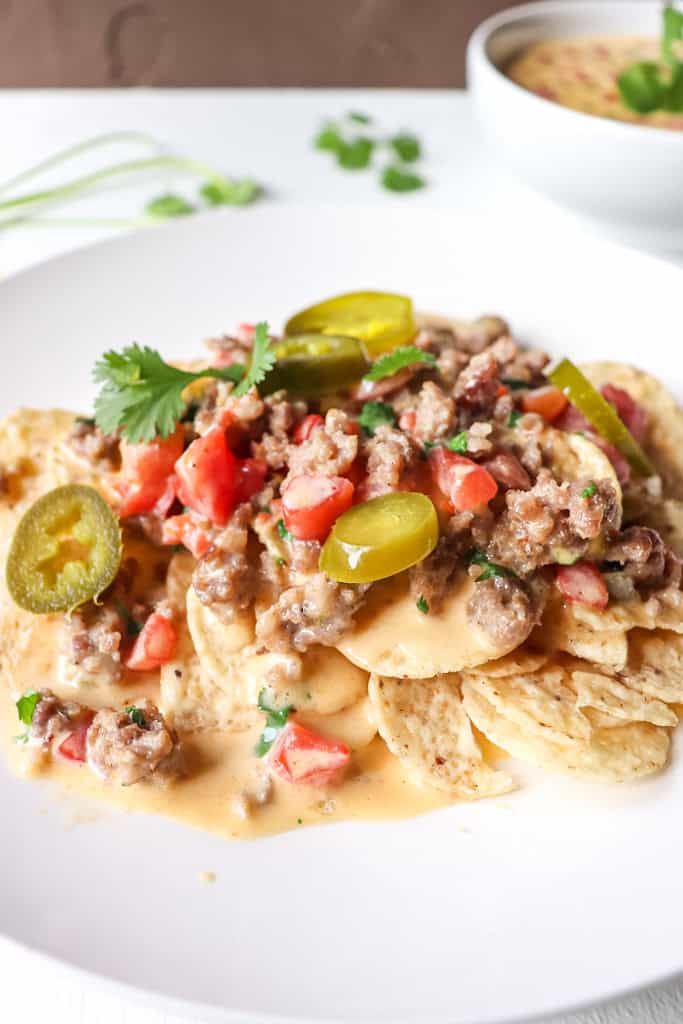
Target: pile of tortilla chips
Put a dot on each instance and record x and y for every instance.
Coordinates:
(590, 693)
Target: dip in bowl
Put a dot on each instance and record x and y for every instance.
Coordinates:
(543, 79)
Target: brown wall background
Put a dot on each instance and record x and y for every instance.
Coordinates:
(237, 42)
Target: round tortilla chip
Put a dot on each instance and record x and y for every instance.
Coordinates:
(619, 699)
(354, 725)
(321, 681)
(422, 722)
(518, 662)
(614, 753)
(664, 440)
(655, 664)
(391, 637)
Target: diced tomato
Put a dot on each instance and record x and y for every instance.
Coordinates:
(73, 747)
(633, 415)
(620, 463)
(154, 646)
(408, 420)
(207, 477)
(583, 584)
(165, 502)
(549, 402)
(251, 475)
(308, 424)
(503, 389)
(245, 333)
(464, 482)
(145, 472)
(302, 756)
(184, 530)
(312, 502)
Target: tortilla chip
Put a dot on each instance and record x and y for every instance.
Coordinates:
(422, 721)
(391, 637)
(655, 665)
(541, 704)
(620, 700)
(354, 725)
(574, 457)
(664, 441)
(321, 681)
(561, 630)
(617, 754)
(519, 662)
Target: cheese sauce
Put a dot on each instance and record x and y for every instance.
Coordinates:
(581, 73)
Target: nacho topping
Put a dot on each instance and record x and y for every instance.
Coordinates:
(369, 524)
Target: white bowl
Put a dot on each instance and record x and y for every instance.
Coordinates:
(625, 177)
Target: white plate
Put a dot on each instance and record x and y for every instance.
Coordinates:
(561, 894)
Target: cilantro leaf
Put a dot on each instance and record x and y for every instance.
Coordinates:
(422, 605)
(133, 627)
(26, 706)
(489, 569)
(276, 719)
(514, 384)
(396, 179)
(672, 33)
(358, 117)
(376, 414)
(328, 138)
(229, 193)
(458, 443)
(142, 396)
(283, 531)
(514, 418)
(392, 362)
(641, 87)
(406, 147)
(262, 360)
(136, 716)
(673, 101)
(590, 490)
(170, 205)
(355, 156)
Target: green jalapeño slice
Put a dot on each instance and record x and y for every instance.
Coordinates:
(316, 364)
(381, 320)
(600, 414)
(380, 538)
(66, 550)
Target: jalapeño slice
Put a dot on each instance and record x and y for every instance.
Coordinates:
(380, 538)
(600, 414)
(381, 320)
(66, 550)
(316, 364)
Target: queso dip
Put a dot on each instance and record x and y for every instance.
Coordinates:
(581, 73)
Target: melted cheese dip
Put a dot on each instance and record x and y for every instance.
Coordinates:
(582, 74)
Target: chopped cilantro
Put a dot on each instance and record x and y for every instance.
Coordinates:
(136, 716)
(374, 415)
(166, 206)
(458, 443)
(262, 360)
(279, 560)
(283, 531)
(133, 627)
(406, 147)
(489, 569)
(513, 383)
(514, 418)
(26, 706)
(358, 117)
(276, 719)
(589, 491)
(391, 362)
(355, 156)
(422, 605)
(396, 179)
(328, 138)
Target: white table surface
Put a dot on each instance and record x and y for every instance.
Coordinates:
(265, 134)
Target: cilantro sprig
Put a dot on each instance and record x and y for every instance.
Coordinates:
(276, 719)
(488, 569)
(26, 706)
(142, 396)
(647, 86)
(136, 716)
(391, 362)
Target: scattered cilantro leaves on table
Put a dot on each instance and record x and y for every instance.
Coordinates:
(350, 140)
